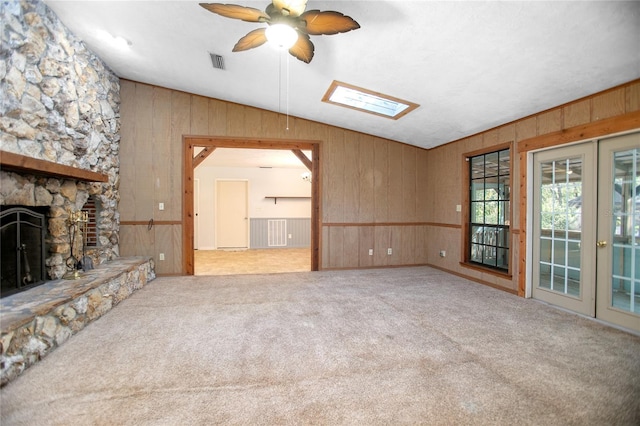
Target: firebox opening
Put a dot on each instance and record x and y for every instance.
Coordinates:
(22, 248)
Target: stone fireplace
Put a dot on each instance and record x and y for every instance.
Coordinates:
(59, 130)
(59, 149)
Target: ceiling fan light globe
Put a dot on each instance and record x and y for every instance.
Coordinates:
(281, 35)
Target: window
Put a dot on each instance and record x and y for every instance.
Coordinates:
(365, 100)
(489, 214)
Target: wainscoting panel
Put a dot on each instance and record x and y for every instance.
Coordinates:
(298, 228)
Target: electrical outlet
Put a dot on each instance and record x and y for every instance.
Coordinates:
(160, 206)
(161, 256)
(370, 252)
(443, 253)
(290, 236)
(458, 208)
(389, 251)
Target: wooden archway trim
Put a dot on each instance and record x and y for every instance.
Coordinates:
(210, 143)
(198, 159)
(298, 153)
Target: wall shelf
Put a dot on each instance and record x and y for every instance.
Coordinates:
(275, 198)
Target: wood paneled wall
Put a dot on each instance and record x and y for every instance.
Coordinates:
(374, 191)
(614, 110)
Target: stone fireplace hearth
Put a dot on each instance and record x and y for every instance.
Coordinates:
(59, 148)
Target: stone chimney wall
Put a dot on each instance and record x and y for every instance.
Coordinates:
(59, 103)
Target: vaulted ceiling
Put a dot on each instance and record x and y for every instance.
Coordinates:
(469, 65)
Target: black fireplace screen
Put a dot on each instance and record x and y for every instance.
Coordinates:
(23, 249)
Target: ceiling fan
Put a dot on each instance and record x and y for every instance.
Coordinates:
(282, 17)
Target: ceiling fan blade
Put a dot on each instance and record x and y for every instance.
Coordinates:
(253, 39)
(303, 49)
(290, 7)
(329, 22)
(248, 14)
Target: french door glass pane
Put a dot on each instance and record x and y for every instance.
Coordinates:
(626, 231)
(560, 213)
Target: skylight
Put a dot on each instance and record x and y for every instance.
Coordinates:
(368, 101)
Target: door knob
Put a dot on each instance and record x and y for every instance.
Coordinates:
(601, 244)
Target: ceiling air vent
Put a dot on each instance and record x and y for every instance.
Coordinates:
(217, 61)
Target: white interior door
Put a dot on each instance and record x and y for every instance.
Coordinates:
(563, 225)
(618, 244)
(232, 214)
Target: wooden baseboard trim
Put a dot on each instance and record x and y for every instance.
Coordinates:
(477, 280)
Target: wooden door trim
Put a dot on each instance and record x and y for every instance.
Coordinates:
(190, 142)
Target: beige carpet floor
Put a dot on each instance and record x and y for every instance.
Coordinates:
(388, 346)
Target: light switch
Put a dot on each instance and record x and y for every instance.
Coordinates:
(160, 206)
(458, 208)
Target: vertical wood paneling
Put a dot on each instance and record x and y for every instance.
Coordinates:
(422, 239)
(127, 240)
(325, 247)
(252, 122)
(164, 244)
(632, 98)
(364, 179)
(506, 133)
(422, 186)
(199, 115)
(550, 121)
(334, 177)
(608, 104)
(136, 241)
(380, 179)
(526, 129)
(336, 254)
(366, 242)
(577, 113)
(144, 187)
(408, 246)
(270, 124)
(395, 243)
(366, 203)
(351, 247)
(298, 228)
(162, 156)
(217, 118)
(381, 243)
(395, 173)
(490, 138)
(235, 120)
(180, 125)
(351, 178)
(127, 204)
(409, 183)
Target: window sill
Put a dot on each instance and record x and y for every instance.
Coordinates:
(487, 270)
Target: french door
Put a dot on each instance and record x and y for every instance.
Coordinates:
(618, 252)
(586, 229)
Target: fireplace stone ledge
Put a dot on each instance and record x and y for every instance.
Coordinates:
(36, 321)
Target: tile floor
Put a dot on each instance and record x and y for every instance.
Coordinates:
(252, 261)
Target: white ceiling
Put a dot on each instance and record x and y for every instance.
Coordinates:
(470, 65)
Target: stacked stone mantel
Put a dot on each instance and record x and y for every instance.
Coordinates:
(60, 103)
